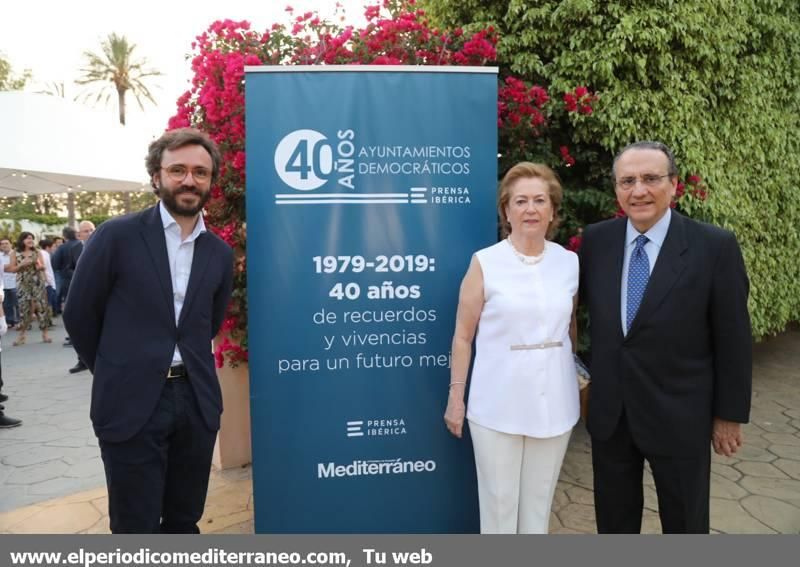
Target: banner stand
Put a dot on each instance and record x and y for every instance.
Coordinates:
(368, 190)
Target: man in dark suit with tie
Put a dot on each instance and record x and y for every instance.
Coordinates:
(671, 352)
(148, 295)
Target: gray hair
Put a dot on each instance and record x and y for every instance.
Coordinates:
(672, 169)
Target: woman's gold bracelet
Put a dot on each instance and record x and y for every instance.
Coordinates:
(457, 382)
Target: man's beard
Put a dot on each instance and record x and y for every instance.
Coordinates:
(169, 198)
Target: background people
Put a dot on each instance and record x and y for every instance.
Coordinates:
(57, 300)
(519, 295)
(5, 421)
(148, 296)
(9, 283)
(45, 249)
(85, 230)
(29, 267)
(64, 260)
(671, 356)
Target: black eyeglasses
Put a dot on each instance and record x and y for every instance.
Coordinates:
(178, 172)
(648, 180)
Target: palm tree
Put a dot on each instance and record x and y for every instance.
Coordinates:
(9, 81)
(54, 88)
(117, 67)
(117, 70)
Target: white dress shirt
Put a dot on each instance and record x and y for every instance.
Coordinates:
(9, 278)
(656, 236)
(49, 276)
(180, 254)
(1, 303)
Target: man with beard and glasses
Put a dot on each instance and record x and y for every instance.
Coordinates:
(148, 296)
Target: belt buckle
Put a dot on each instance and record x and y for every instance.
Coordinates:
(170, 375)
(538, 346)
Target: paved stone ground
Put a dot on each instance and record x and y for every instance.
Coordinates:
(53, 459)
(54, 452)
(758, 491)
(229, 509)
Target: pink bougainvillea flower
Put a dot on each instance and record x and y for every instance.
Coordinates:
(570, 102)
(395, 32)
(574, 243)
(569, 161)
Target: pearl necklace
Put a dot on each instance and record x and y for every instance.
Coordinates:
(527, 260)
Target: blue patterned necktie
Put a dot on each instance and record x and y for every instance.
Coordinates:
(638, 274)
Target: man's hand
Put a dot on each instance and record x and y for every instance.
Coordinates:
(726, 437)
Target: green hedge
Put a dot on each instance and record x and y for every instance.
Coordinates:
(717, 80)
(11, 224)
(41, 219)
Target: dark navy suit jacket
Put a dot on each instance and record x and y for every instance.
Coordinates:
(120, 316)
(687, 357)
(66, 258)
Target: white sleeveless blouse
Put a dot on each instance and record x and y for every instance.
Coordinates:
(526, 392)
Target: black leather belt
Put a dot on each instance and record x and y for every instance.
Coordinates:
(177, 371)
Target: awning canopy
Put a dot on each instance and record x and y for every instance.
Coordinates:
(52, 145)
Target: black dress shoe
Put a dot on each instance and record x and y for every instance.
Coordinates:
(80, 367)
(9, 422)
(3, 398)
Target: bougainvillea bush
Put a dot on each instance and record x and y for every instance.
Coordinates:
(533, 123)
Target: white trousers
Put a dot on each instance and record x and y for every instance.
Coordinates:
(517, 477)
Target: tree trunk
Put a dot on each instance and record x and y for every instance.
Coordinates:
(71, 209)
(126, 196)
(42, 205)
(121, 101)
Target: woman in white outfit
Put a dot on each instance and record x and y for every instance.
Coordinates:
(519, 296)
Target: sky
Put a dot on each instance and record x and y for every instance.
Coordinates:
(49, 37)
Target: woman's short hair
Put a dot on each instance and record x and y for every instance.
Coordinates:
(524, 170)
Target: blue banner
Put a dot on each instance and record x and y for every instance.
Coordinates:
(368, 190)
